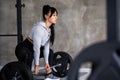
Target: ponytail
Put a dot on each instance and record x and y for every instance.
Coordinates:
(52, 36)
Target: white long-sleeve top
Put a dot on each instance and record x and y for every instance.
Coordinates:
(40, 35)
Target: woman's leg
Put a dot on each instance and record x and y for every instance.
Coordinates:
(51, 54)
(30, 59)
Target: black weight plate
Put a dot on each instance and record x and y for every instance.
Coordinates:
(65, 60)
(104, 65)
(16, 71)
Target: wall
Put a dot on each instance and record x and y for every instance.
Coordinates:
(80, 24)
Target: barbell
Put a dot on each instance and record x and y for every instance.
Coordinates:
(42, 75)
(57, 65)
(61, 63)
(20, 71)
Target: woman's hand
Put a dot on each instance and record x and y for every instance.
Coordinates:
(48, 69)
(36, 69)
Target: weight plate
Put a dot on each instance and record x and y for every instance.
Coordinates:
(65, 60)
(104, 65)
(16, 71)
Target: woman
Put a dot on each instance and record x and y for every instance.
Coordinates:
(42, 35)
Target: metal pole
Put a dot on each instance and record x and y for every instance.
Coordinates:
(19, 20)
(118, 18)
(112, 20)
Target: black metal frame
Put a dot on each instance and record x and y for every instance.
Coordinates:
(19, 20)
(112, 20)
(5, 35)
(19, 23)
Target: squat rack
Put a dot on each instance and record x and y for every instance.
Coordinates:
(19, 22)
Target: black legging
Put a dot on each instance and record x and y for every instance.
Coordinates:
(24, 53)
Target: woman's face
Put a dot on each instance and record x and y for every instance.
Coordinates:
(53, 18)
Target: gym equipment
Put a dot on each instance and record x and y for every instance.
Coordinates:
(43, 75)
(60, 65)
(105, 59)
(65, 60)
(57, 65)
(16, 71)
(19, 20)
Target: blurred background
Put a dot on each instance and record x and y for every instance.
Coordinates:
(80, 23)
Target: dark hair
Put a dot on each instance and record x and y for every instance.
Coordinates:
(46, 10)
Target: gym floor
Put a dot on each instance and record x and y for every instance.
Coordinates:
(84, 73)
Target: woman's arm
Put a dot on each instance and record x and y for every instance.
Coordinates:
(37, 36)
(46, 52)
(46, 57)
